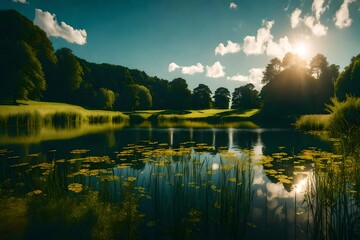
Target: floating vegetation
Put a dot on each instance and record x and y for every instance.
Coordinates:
(158, 190)
(19, 165)
(75, 187)
(33, 193)
(79, 151)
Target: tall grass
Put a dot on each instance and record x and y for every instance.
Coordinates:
(343, 120)
(95, 197)
(345, 116)
(332, 197)
(55, 114)
(317, 122)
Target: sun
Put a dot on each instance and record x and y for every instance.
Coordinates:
(301, 49)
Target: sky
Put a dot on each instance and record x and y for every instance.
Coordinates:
(219, 43)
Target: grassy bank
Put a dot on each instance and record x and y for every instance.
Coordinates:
(343, 120)
(317, 122)
(206, 115)
(54, 114)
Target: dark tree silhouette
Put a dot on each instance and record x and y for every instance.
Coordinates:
(67, 78)
(348, 82)
(291, 59)
(21, 75)
(221, 98)
(245, 97)
(297, 89)
(26, 57)
(201, 97)
(272, 70)
(180, 95)
(325, 76)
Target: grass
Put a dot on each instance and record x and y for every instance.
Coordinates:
(72, 198)
(67, 115)
(345, 116)
(317, 122)
(343, 120)
(56, 114)
(210, 115)
(332, 196)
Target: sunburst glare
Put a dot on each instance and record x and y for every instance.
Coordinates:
(301, 49)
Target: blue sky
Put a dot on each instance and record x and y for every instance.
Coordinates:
(215, 42)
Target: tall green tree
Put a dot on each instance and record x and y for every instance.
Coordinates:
(26, 56)
(134, 97)
(67, 78)
(201, 97)
(106, 98)
(180, 95)
(245, 97)
(348, 82)
(160, 92)
(272, 69)
(21, 74)
(325, 76)
(291, 93)
(145, 98)
(221, 98)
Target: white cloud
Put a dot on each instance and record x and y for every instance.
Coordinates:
(231, 47)
(279, 49)
(264, 43)
(173, 66)
(257, 45)
(233, 5)
(191, 70)
(21, 1)
(316, 28)
(188, 70)
(215, 71)
(342, 17)
(255, 76)
(318, 8)
(47, 22)
(295, 18)
(313, 21)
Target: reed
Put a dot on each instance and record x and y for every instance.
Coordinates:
(32, 113)
(314, 122)
(332, 198)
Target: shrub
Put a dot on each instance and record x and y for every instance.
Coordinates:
(345, 116)
(313, 122)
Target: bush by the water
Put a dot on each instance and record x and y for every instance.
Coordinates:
(316, 122)
(345, 116)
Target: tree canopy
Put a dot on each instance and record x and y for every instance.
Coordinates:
(296, 88)
(201, 97)
(221, 98)
(180, 95)
(245, 97)
(348, 82)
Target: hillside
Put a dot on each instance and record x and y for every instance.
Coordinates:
(44, 74)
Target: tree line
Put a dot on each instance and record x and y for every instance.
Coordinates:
(31, 69)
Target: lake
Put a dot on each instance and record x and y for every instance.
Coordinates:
(171, 183)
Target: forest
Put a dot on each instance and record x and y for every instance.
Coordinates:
(31, 69)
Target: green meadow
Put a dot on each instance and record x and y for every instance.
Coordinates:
(49, 113)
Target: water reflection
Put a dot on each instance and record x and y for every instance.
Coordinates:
(239, 182)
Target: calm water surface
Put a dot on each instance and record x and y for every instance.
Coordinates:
(219, 183)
